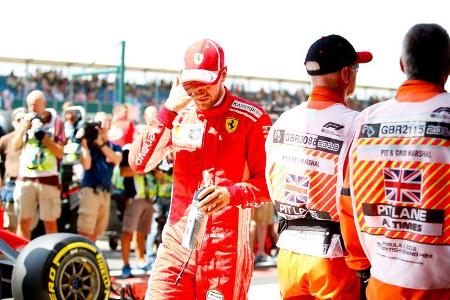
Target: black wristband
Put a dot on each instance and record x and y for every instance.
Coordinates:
(363, 274)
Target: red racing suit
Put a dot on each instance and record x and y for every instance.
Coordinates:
(233, 152)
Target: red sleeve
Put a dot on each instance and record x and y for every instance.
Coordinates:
(147, 149)
(60, 136)
(356, 258)
(130, 133)
(253, 191)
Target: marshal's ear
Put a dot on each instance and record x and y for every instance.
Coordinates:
(346, 75)
(402, 66)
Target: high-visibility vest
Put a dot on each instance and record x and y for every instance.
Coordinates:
(400, 181)
(306, 150)
(165, 183)
(36, 160)
(144, 185)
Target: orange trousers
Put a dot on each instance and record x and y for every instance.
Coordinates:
(307, 277)
(378, 290)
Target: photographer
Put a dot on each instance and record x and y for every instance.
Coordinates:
(73, 120)
(164, 176)
(10, 157)
(98, 157)
(140, 191)
(71, 168)
(40, 137)
(164, 181)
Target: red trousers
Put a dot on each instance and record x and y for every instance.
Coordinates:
(213, 272)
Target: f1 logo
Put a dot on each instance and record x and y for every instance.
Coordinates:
(441, 112)
(334, 126)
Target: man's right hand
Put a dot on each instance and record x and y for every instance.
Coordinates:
(26, 123)
(22, 129)
(178, 98)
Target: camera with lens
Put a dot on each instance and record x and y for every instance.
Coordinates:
(37, 129)
(90, 131)
(166, 166)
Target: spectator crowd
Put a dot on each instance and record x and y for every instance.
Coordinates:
(58, 87)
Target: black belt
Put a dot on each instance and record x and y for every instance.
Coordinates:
(314, 225)
(100, 188)
(329, 227)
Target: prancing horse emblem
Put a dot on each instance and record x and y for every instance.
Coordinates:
(231, 124)
(198, 58)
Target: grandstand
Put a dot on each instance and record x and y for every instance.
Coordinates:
(145, 86)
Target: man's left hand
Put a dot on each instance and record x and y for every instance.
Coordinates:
(215, 198)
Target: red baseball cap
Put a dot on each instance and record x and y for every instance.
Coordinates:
(203, 61)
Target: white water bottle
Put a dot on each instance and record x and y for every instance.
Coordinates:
(197, 220)
(195, 226)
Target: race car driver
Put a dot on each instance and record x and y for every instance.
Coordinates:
(306, 152)
(209, 129)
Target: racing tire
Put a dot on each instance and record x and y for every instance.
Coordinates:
(60, 266)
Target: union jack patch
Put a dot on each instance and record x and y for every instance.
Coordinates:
(403, 185)
(296, 188)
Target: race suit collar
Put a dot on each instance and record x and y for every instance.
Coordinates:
(417, 91)
(322, 97)
(219, 109)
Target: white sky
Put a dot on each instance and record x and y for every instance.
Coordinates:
(260, 38)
